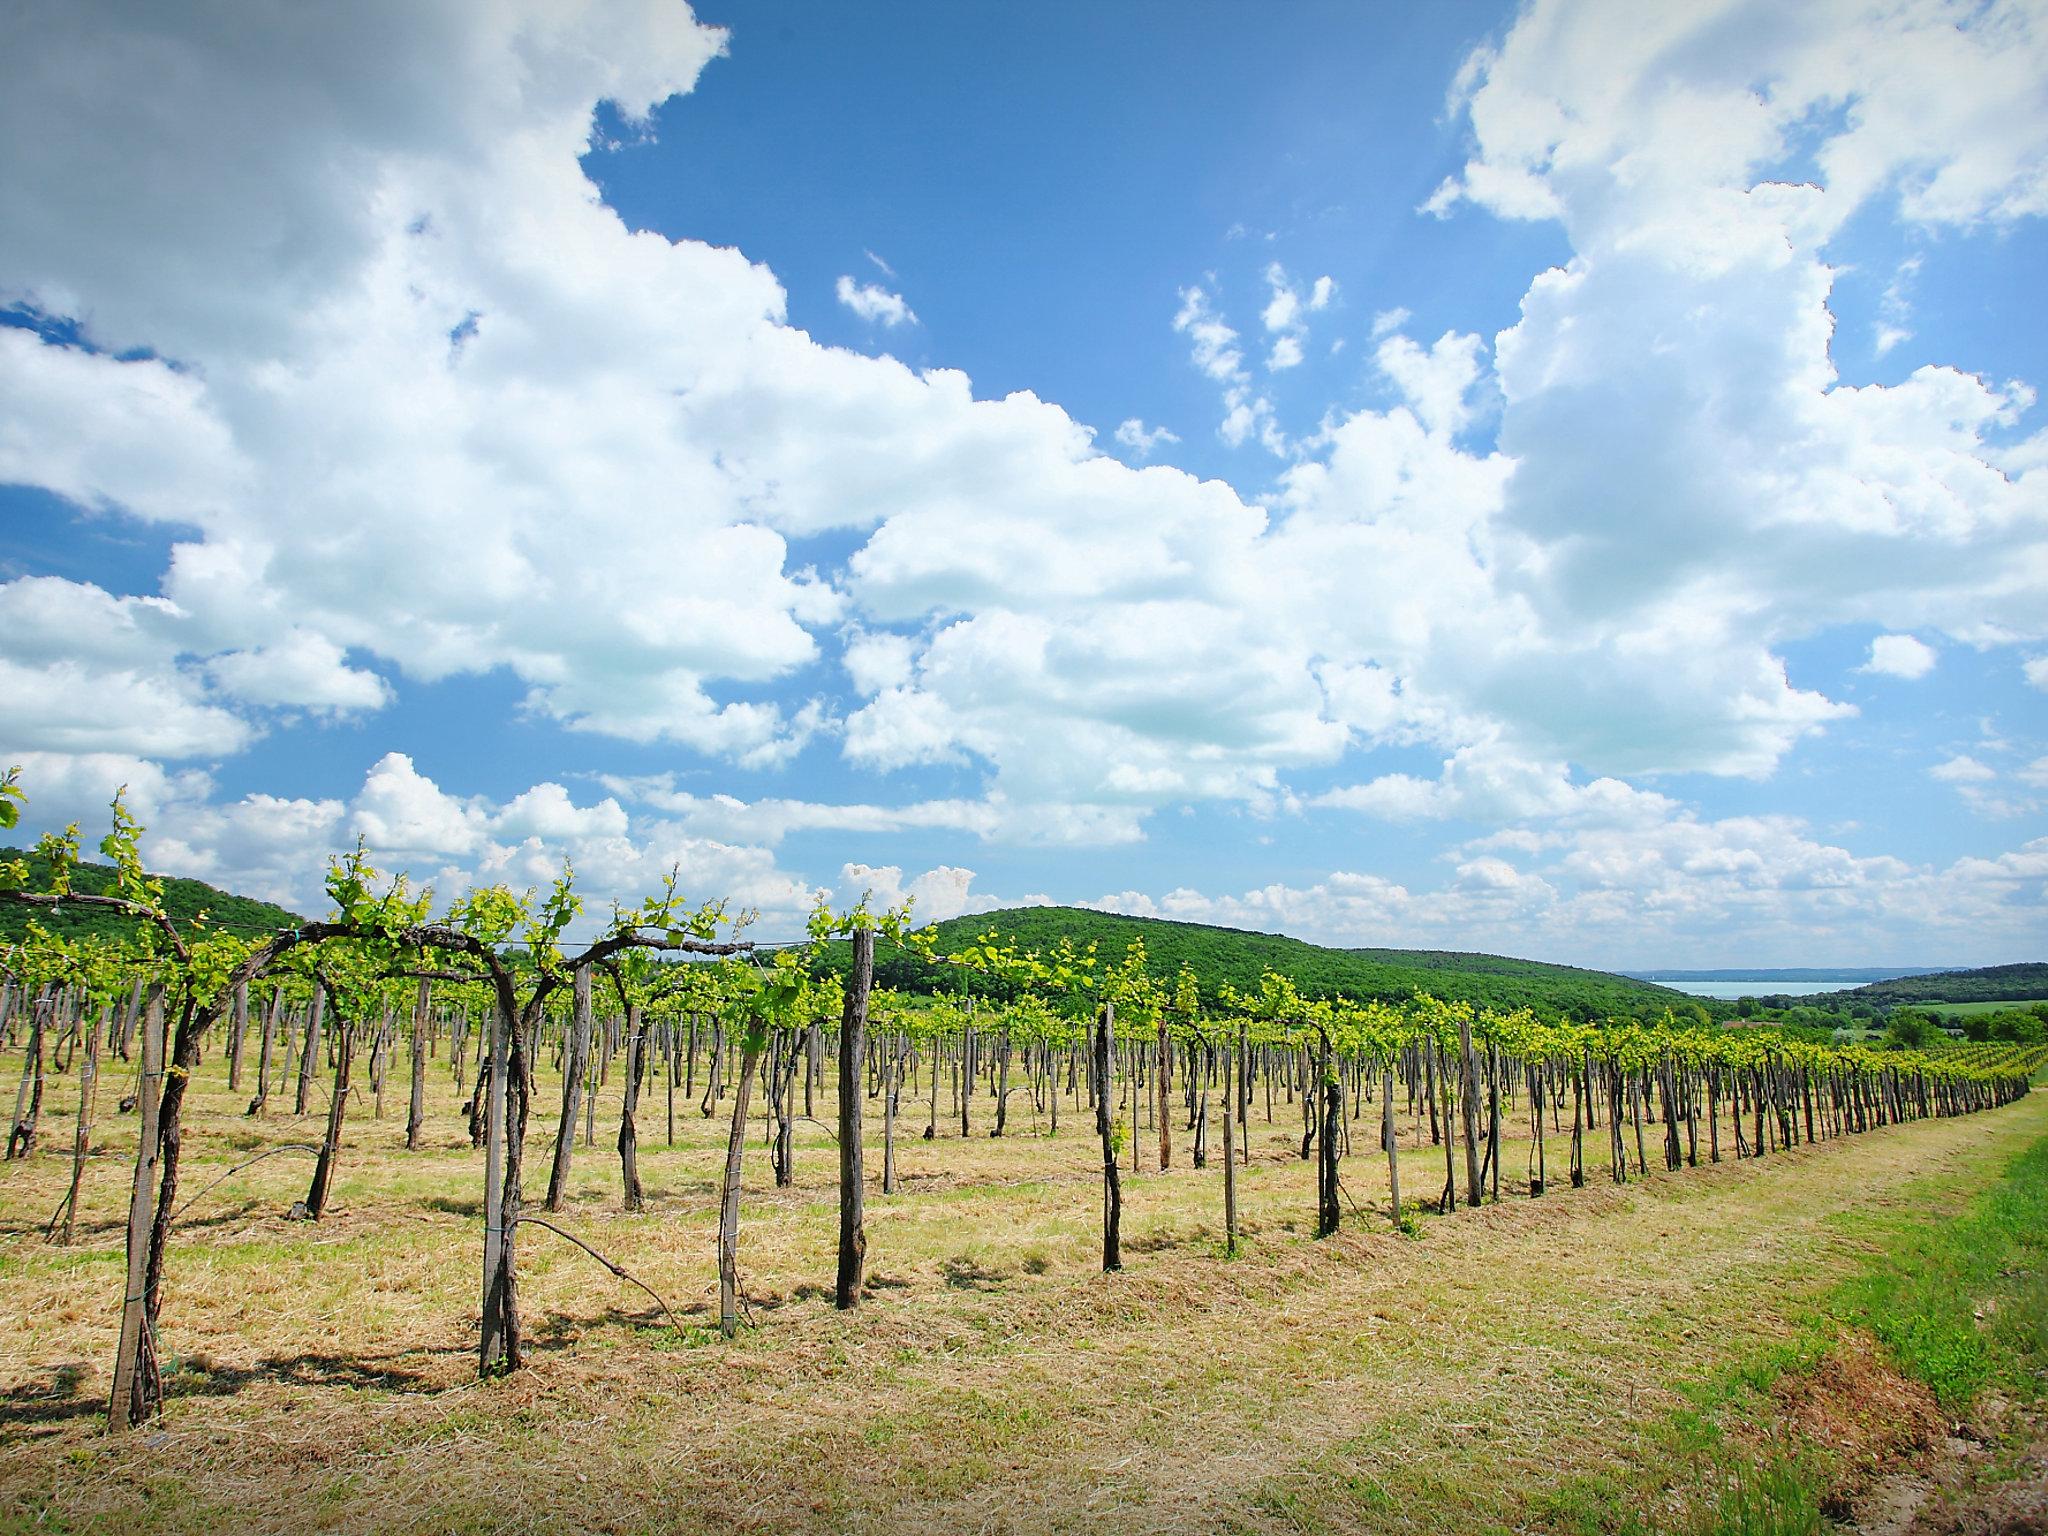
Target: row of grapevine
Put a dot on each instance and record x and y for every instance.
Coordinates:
(679, 995)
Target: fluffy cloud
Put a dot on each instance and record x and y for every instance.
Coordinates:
(135, 435)
(594, 431)
(276, 847)
(1690, 484)
(937, 893)
(1597, 116)
(86, 672)
(1435, 383)
(874, 303)
(1283, 314)
(1962, 769)
(1213, 348)
(405, 421)
(769, 821)
(1214, 343)
(1134, 435)
(1900, 656)
(1488, 785)
(415, 404)
(299, 668)
(1973, 781)
(1738, 891)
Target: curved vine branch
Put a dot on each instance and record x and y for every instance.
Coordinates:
(289, 1146)
(618, 1270)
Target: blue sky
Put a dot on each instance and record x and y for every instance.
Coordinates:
(1540, 479)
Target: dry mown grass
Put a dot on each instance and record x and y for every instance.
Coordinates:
(993, 1381)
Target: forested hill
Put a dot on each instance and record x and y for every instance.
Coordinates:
(1987, 984)
(1238, 957)
(183, 899)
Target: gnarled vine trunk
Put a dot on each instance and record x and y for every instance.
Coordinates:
(1105, 1122)
(853, 1029)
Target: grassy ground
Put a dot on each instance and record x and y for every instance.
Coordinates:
(1960, 1009)
(1569, 1363)
(1979, 1008)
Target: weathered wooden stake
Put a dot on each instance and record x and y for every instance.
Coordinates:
(853, 1029)
(1393, 1150)
(575, 1063)
(1468, 1106)
(1229, 1161)
(135, 1391)
(1105, 1121)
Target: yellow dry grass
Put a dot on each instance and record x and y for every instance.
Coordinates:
(994, 1380)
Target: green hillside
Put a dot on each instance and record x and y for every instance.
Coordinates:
(1986, 984)
(1238, 957)
(183, 899)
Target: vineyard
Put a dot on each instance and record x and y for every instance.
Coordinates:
(298, 1161)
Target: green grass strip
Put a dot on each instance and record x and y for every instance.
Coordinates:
(1961, 1304)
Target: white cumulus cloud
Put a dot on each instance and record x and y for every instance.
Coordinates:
(1900, 656)
(873, 302)
(1140, 439)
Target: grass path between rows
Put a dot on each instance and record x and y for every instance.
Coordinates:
(1516, 1367)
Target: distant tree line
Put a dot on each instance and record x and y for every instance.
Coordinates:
(1238, 959)
(184, 901)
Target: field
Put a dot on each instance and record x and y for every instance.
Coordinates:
(1586, 1361)
(1960, 1009)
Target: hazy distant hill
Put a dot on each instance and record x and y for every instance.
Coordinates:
(1238, 957)
(1850, 973)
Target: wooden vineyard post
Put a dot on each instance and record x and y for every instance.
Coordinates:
(575, 1063)
(853, 1029)
(416, 1108)
(967, 1070)
(135, 1368)
(1229, 1161)
(1105, 1121)
(1468, 1093)
(237, 1029)
(1052, 1085)
(1244, 1091)
(1581, 1092)
(307, 1059)
(81, 1139)
(1330, 1097)
(673, 1069)
(1002, 1082)
(629, 1109)
(892, 1090)
(28, 1101)
(264, 1048)
(1162, 1073)
(337, 1107)
(1137, 1097)
(729, 1195)
(1493, 1118)
(1616, 1151)
(1387, 1135)
(495, 1348)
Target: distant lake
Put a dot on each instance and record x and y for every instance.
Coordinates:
(1741, 988)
